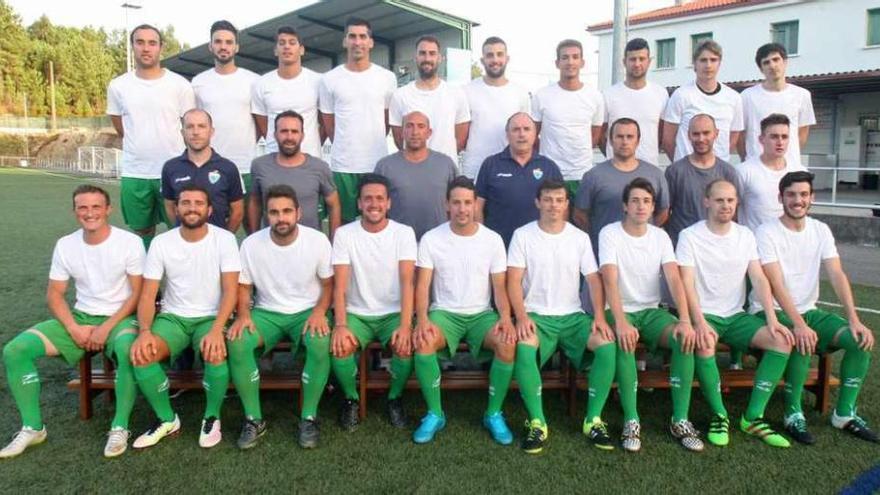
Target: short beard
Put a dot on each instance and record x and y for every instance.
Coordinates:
(291, 153)
(192, 226)
(427, 74)
(495, 75)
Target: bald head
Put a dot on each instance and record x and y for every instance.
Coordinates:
(416, 131)
(196, 115)
(521, 133)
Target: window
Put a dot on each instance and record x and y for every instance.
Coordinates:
(873, 27)
(666, 53)
(698, 38)
(786, 34)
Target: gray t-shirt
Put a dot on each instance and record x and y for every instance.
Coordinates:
(687, 186)
(312, 180)
(418, 190)
(601, 193)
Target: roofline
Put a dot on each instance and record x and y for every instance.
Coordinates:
(608, 25)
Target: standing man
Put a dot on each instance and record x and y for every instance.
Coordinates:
(200, 265)
(446, 106)
(307, 174)
(639, 99)
(354, 99)
(792, 249)
(201, 165)
(774, 95)
(418, 176)
(704, 95)
(545, 264)
(106, 265)
(374, 270)
(508, 181)
(470, 263)
(225, 93)
(145, 107)
(569, 116)
(290, 87)
(289, 266)
(492, 100)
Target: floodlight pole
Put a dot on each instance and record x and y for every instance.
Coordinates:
(125, 8)
(618, 43)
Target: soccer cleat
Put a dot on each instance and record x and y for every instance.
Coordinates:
(854, 425)
(117, 442)
(251, 431)
(760, 429)
(498, 429)
(536, 436)
(156, 433)
(629, 439)
(796, 427)
(687, 435)
(719, 431)
(431, 424)
(349, 415)
(23, 439)
(210, 435)
(308, 433)
(597, 431)
(396, 413)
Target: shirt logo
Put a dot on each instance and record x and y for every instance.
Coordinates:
(538, 173)
(181, 179)
(213, 176)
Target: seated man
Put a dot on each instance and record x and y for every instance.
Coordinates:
(545, 262)
(632, 256)
(470, 266)
(715, 255)
(106, 264)
(289, 266)
(200, 265)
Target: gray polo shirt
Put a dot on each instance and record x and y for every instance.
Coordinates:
(312, 180)
(687, 186)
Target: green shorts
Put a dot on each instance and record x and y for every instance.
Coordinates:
(72, 353)
(273, 327)
(347, 187)
(571, 187)
(472, 328)
(826, 325)
(142, 203)
(570, 332)
(180, 332)
(737, 330)
(649, 322)
(369, 328)
(246, 184)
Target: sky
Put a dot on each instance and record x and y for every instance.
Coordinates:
(531, 36)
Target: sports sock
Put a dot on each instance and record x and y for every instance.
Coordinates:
(428, 373)
(216, 382)
(153, 382)
(853, 369)
(627, 384)
(736, 357)
(315, 373)
(706, 370)
(346, 370)
(767, 376)
(500, 374)
(681, 379)
(125, 386)
(529, 378)
(795, 377)
(245, 372)
(601, 377)
(20, 356)
(401, 369)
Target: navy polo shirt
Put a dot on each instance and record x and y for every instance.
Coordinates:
(218, 175)
(509, 190)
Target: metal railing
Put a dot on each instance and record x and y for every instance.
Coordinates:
(90, 160)
(835, 171)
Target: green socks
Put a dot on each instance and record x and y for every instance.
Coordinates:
(706, 369)
(153, 382)
(627, 384)
(500, 374)
(428, 373)
(601, 377)
(346, 370)
(529, 378)
(401, 369)
(315, 373)
(767, 376)
(853, 369)
(215, 381)
(245, 372)
(795, 377)
(125, 385)
(20, 356)
(681, 379)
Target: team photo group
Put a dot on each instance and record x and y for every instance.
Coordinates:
(490, 226)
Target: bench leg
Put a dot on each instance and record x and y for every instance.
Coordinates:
(363, 372)
(110, 396)
(823, 388)
(85, 387)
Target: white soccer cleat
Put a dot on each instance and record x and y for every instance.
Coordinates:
(156, 433)
(117, 442)
(22, 440)
(210, 434)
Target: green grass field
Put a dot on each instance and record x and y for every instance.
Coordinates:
(376, 458)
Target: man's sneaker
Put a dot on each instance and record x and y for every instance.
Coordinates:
(117, 442)
(396, 414)
(308, 433)
(629, 439)
(760, 429)
(349, 415)
(210, 434)
(796, 427)
(687, 435)
(719, 431)
(156, 433)
(536, 436)
(498, 429)
(431, 424)
(597, 431)
(251, 431)
(23, 439)
(855, 425)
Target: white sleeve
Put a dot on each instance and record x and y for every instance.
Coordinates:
(537, 111)
(187, 98)
(672, 113)
(391, 86)
(154, 268)
(607, 248)
(340, 254)
(407, 248)
(258, 104)
(766, 246)
(667, 255)
(829, 249)
(395, 108)
(115, 105)
(325, 268)
(499, 256)
(230, 261)
(588, 261)
(135, 255)
(326, 101)
(751, 245)
(684, 252)
(806, 116)
(736, 124)
(425, 260)
(516, 255)
(462, 107)
(245, 276)
(599, 114)
(58, 270)
(525, 103)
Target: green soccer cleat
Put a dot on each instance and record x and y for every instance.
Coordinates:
(536, 436)
(760, 429)
(719, 431)
(597, 431)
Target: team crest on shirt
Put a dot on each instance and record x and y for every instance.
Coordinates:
(213, 176)
(538, 173)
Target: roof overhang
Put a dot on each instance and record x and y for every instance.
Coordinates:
(829, 84)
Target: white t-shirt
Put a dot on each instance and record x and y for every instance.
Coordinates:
(567, 119)
(273, 95)
(358, 101)
(491, 106)
(463, 267)
(286, 279)
(760, 191)
(192, 270)
(100, 272)
(639, 262)
(150, 111)
(725, 107)
(793, 101)
(445, 107)
(374, 265)
(800, 255)
(720, 264)
(642, 105)
(227, 97)
(553, 264)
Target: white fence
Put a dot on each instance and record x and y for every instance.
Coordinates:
(90, 160)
